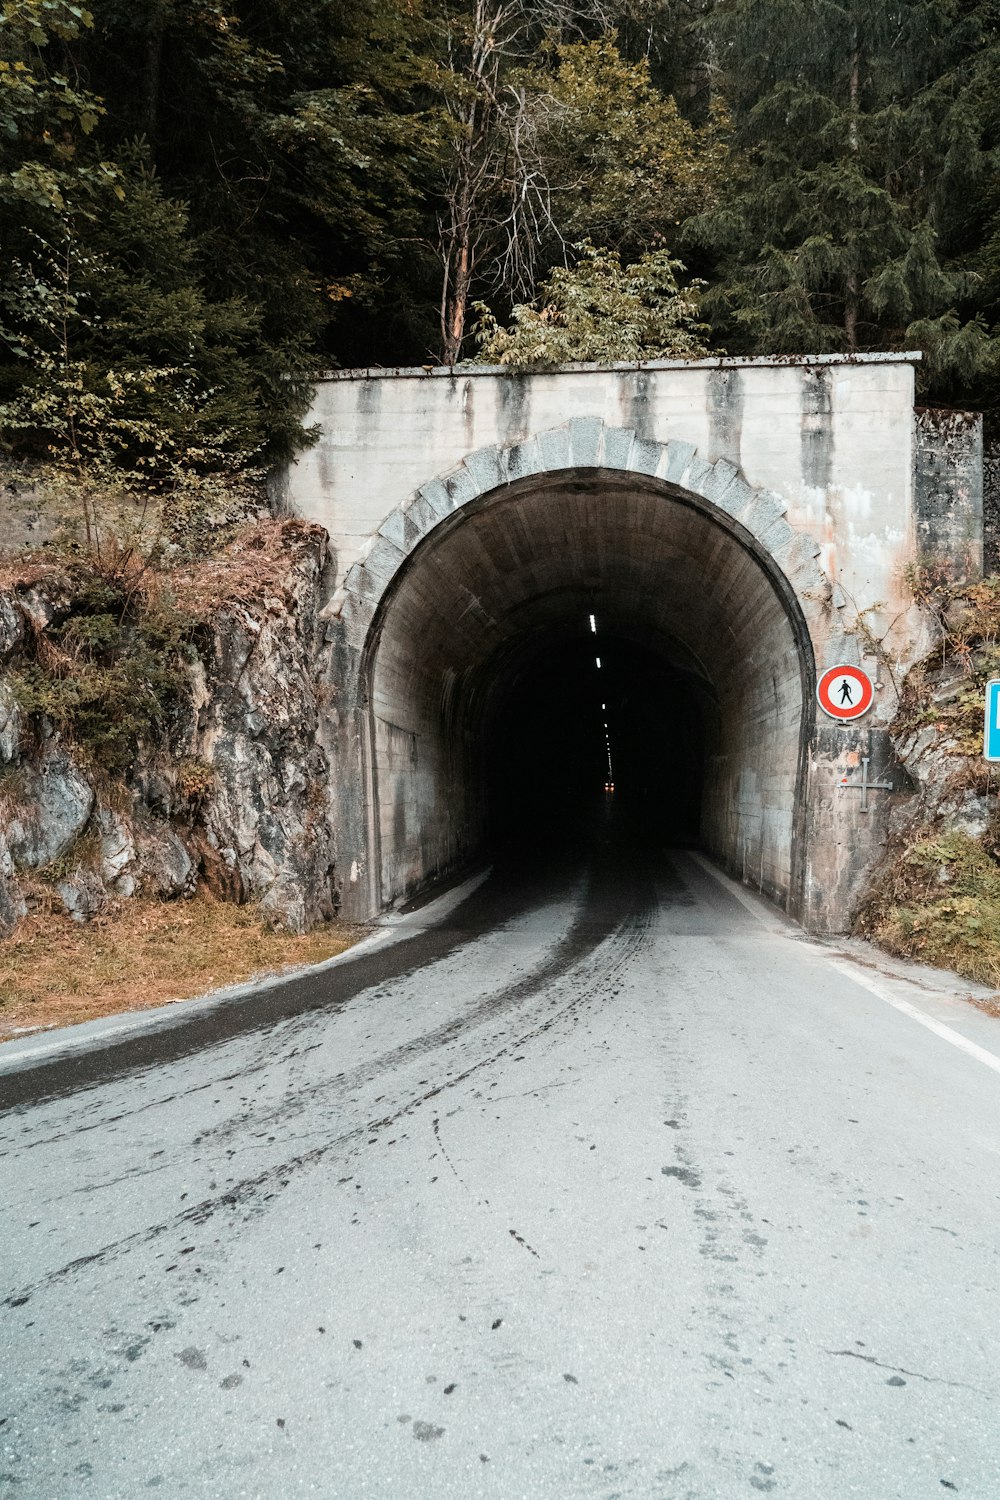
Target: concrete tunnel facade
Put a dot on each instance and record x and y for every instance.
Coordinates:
(489, 567)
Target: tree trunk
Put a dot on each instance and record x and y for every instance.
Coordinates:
(851, 311)
(459, 251)
(151, 101)
(851, 289)
(456, 300)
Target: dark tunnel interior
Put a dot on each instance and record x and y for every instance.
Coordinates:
(484, 725)
(578, 754)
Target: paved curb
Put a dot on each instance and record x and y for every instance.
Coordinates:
(391, 928)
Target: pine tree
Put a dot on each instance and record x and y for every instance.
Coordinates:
(856, 150)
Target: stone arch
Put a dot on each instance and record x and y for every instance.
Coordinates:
(586, 443)
(584, 449)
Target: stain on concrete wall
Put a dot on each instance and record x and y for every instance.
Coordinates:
(513, 398)
(948, 490)
(369, 403)
(817, 428)
(637, 407)
(725, 411)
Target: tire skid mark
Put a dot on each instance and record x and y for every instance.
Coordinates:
(582, 938)
(262, 1059)
(298, 997)
(624, 942)
(436, 1128)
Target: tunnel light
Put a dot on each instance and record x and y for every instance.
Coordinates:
(593, 625)
(598, 660)
(604, 705)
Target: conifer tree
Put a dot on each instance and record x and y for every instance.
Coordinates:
(857, 148)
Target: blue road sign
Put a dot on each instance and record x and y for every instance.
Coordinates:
(991, 736)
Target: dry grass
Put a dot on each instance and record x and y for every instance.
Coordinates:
(29, 569)
(937, 900)
(54, 971)
(252, 566)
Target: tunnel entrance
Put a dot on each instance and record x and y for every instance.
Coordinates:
(484, 720)
(579, 754)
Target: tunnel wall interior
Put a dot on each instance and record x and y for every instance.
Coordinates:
(502, 593)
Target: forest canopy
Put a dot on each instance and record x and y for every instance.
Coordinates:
(203, 204)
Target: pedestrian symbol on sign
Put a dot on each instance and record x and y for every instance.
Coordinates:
(846, 696)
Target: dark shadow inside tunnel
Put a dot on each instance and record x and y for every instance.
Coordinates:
(578, 755)
(483, 726)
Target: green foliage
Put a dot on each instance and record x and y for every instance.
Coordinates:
(296, 135)
(602, 311)
(111, 671)
(203, 203)
(858, 159)
(119, 357)
(939, 902)
(45, 117)
(625, 167)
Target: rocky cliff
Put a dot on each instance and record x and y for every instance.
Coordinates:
(231, 790)
(936, 894)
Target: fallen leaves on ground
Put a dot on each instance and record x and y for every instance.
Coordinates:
(55, 972)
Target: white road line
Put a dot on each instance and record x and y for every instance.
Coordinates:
(754, 905)
(988, 1059)
(764, 911)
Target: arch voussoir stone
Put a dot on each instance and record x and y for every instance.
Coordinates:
(488, 467)
(645, 456)
(524, 459)
(675, 460)
(588, 443)
(617, 447)
(585, 435)
(437, 498)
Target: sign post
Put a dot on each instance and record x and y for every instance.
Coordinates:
(991, 725)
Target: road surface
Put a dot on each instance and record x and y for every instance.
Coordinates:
(610, 1184)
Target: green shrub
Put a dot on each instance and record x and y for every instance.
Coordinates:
(939, 902)
(110, 672)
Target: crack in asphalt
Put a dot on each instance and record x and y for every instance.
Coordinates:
(869, 1359)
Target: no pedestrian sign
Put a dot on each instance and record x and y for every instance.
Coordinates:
(845, 692)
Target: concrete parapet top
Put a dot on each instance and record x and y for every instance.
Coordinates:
(718, 362)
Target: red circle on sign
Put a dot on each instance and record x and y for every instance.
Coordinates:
(845, 692)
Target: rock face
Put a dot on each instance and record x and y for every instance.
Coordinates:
(943, 790)
(951, 781)
(263, 829)
(237, 796)
(53, 808)
(12, 906)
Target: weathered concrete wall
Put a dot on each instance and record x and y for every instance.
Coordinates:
(800, 477)
(991, 505)
(834, 440)
(948, 490)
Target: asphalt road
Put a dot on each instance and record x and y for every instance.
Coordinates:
(610, 1184)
